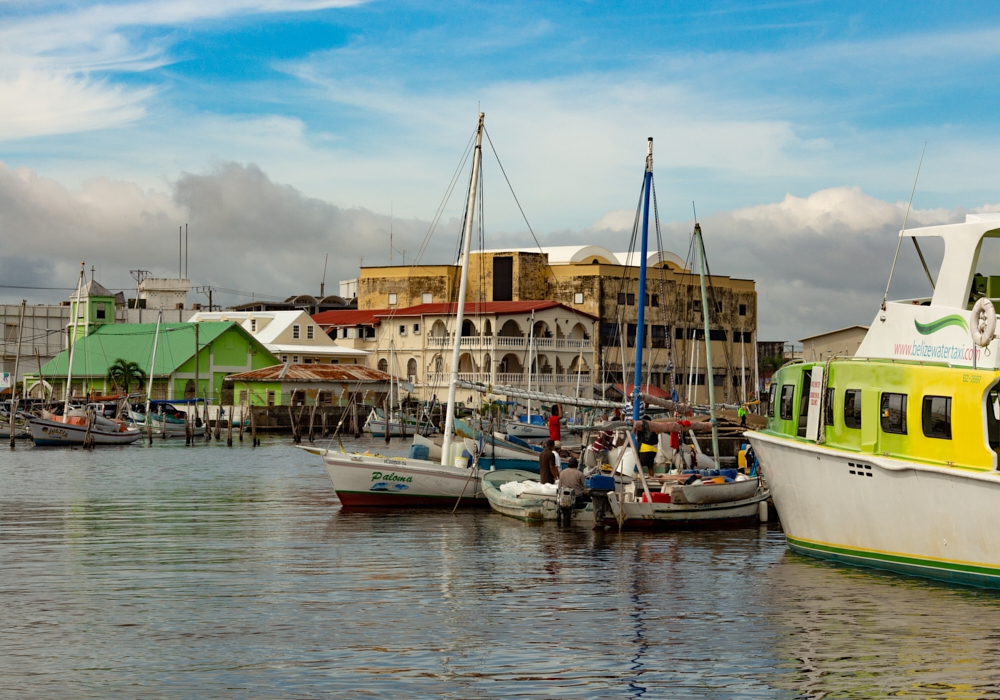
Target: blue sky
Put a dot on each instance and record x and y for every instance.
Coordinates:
(368, 105)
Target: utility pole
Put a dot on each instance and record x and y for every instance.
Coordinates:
(13, 383)
(207, 291)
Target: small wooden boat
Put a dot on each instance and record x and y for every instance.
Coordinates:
(528, 505)
(51, 431)
(708, 505)
(521, 428)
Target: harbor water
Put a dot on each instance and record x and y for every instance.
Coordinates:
(201, 572)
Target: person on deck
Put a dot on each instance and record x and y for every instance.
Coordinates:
(675, 426)
(555, 429)
(648, 445)
(742, 413)
(547, 469)
(572, 478)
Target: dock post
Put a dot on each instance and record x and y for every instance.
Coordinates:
(163, 424)
(243, 418)
(323, 431)
(187, 427)
(229, 428)
(312, 420)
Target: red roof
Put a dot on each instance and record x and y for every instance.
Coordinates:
(313, 373)
(349, 317)
(477, 307)
(650, 389)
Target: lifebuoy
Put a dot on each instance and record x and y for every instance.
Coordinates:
(984, 322)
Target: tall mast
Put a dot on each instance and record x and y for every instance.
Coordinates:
(449, 424)
(152, 366)
(71, 336)
(641, 299)
(710, 379)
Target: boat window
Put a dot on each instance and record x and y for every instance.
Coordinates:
(804, 404)
(892, 413)
(772, 395)
(936, 417)
(787, 398)
(828, 411)
(852, 408)
(993, 418)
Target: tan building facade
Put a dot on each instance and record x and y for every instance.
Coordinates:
(843, 342)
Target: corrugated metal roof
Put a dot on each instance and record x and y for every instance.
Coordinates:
(313, 373)
(134, 342)
(489, 307)
(349, 317)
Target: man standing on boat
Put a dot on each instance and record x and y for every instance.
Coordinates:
(555, 429)
(645, 426)
(547, 469)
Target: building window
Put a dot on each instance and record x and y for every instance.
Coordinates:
(621, 298)
(270, 397)
(426, 298)
(284, 358)
(383, 365)
(243, 397)
(370, 333)
(656, 300)
(578, 297)
(787, 401)
(402, 329)
(310, 333)
(392, 299)
(743, 309)
(937, 417)
(295, 359)
(295, 332)
(100, 311)
(831, 393)
(718, 307)
(253, 325)
(416, 329)
(852, 408)
(697, 304)
(411, 368)
(308, 360)
(630, 299)
(892, 413)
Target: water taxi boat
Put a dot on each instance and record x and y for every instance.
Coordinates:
(888, 459)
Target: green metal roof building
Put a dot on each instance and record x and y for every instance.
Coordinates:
(224, 348)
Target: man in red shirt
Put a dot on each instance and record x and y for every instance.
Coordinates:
(555, 429)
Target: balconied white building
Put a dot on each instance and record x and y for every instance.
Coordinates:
(501, 343)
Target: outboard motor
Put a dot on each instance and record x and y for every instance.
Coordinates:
(565, 499)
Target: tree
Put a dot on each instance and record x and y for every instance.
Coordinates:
(123, 374)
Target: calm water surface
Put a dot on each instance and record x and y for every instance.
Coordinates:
(217, 572)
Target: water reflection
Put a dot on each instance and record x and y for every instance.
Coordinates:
(210, 572)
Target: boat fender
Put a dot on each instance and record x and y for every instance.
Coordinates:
(984, 322)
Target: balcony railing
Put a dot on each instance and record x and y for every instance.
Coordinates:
(567, 379)
(489, 342)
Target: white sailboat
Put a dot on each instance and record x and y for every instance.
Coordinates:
(377, 481)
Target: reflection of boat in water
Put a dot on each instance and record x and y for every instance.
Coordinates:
(889, 458)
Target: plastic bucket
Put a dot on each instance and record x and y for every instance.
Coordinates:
(462, 462)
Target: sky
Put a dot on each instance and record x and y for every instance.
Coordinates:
(283, 131)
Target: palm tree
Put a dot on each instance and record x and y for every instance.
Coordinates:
(122, 374)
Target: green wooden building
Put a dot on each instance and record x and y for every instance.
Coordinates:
(223, 348)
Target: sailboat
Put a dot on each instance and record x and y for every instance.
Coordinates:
(378, 481)
(710, 504)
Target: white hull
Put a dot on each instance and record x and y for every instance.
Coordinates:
(884, 513)
(494, 450)
(718, 505)
(362, 480)
(527, 430)
(50, 433)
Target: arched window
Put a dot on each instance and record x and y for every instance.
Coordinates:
(411, 367)
(189, 389)
(468, 328)
(383, 365)
(486, 363)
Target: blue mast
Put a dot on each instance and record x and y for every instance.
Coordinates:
(641, 298)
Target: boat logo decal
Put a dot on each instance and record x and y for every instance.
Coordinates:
(385, 486)
(379, 476)
(935, 326)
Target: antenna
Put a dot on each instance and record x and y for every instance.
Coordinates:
(390, 235)
(903, 230)
(322, 285)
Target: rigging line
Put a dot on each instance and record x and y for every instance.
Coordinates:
(667, 340)
(900, 242)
